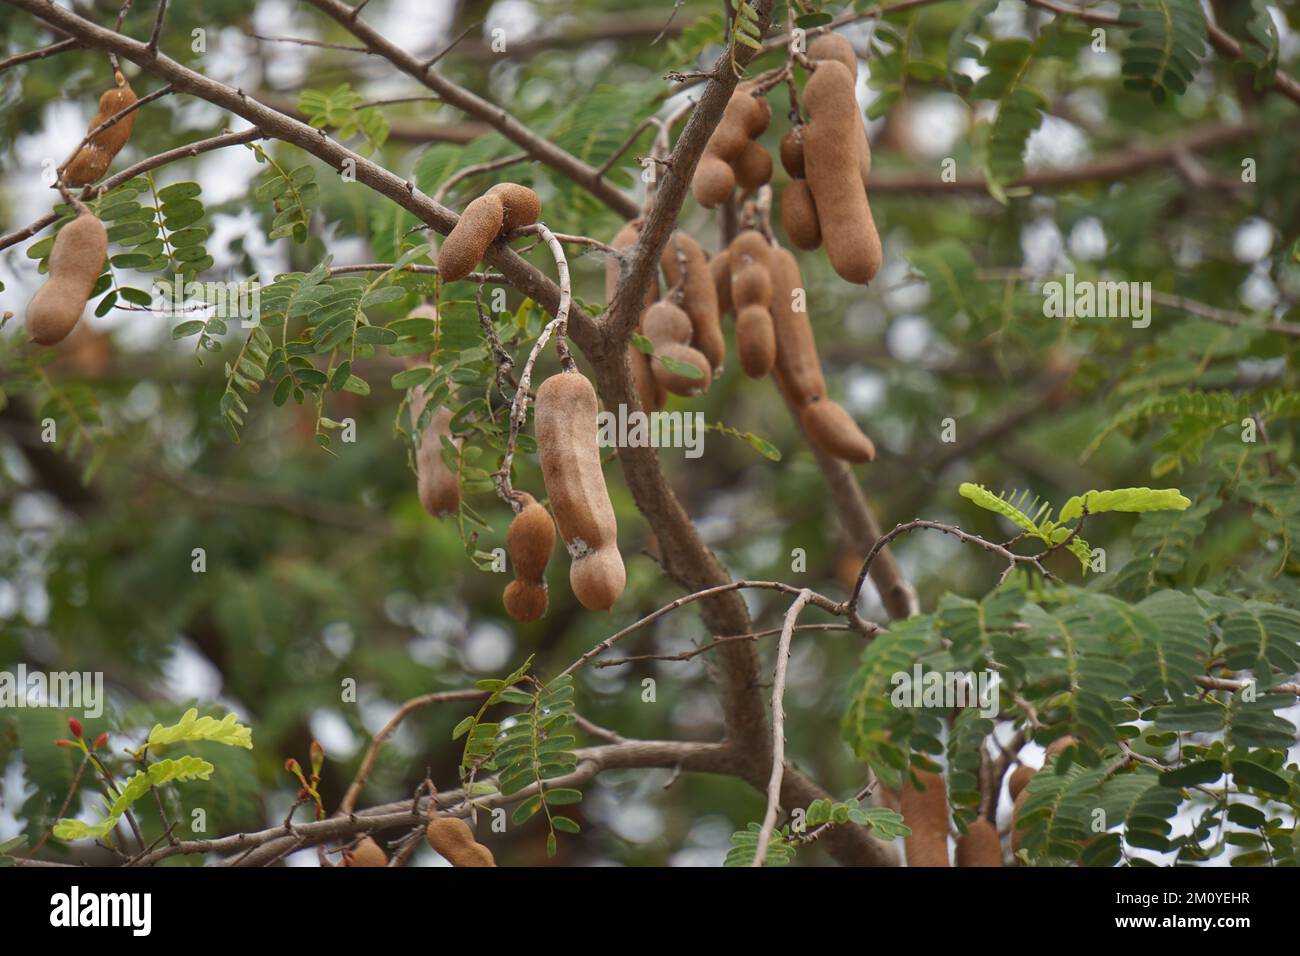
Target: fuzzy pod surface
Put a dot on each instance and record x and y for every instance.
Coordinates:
(477, 228)
(530, 540)
(979, 845)
(566, 427)
(798, 368)
(832, 46)
(94, 158)
(520, 205)
(454, 840)
(76, 260)
(684, 262)
(831, 159)
(926, 813)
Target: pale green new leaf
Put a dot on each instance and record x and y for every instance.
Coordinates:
(1125, 499)
(193, 727)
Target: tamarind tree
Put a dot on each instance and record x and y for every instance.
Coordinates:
(1003, 571)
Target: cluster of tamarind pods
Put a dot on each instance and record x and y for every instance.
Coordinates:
(755, 278)
(925, 809)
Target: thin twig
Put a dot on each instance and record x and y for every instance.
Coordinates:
(778, 727)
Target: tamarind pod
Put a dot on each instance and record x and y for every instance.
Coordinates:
(796, 348)
(699, 295)
(748, 248)
(720, 269)
(437, 485)
(1059, 746)
(751, 284)
(664, 322)
(744, 118)
(478, 226)
(524, 600)
(926, 813)
(669, 328)
(649, 391)
(365, 853)
(754, 167)
(832, 46)
(94, 158)
(834, 431)
(521, 206)
(831, 158)
(567, 449)
(1017, 836)
(755, 341)
(713, 181)
(454, 840)
(681, 384)
(799, 215)
(792, 152)
(1019, 779)
(531, 539)
(598, 579)
(76, 261)
(623, 240)
(980, 845)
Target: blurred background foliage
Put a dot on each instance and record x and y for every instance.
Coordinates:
(321, 567)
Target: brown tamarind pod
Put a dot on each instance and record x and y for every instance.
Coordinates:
(478, 227)
(454, 840)
(751, 292)
(649, 390)
(831, 160)
(76, 260)
(755, 341)
(799, 369)
(753, 167)
(530, 540)
(799, 216)
(669, 328)
(832, 46)
(567, 448)
(792, 152)
(834, 431)
(926, 813)
(979, 845)
(698, 295)
(437, 485)
(720, 268)
(744, 118)
(1059, 746)
(1019, 779)
(366, 853)
(94, 158)
(520, 205)
(1017, 836)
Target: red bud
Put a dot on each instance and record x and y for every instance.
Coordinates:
(101, 740)
(291, 765)
(64, 743)
(75, 726)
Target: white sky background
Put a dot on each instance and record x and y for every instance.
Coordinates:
(936, 123)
